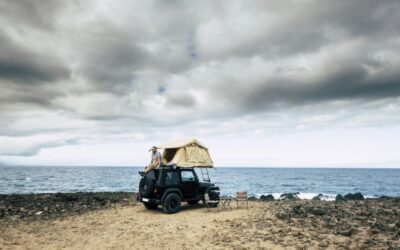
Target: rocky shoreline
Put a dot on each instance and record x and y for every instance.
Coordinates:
(373, 223)
(350, 222)
(56, 205)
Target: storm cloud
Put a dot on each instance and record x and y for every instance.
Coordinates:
(89, 72)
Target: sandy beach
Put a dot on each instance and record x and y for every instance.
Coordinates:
(126, 224)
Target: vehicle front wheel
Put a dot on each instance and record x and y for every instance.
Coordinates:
(172, 203)
(213, 196)
(150, 205)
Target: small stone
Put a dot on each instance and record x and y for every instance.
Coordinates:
(375, 231)
(346, 233)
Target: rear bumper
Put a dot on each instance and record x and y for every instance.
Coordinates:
(148, 200)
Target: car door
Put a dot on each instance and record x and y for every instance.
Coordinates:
(189, 184)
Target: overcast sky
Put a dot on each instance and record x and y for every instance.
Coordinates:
(261, 83)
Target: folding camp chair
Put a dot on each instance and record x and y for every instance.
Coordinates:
(208, 203)
(241, 199)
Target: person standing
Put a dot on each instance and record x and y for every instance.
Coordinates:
(155, 161)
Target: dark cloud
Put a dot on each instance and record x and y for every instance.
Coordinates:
(348, 82)
(110, 58)
(20, 65)
(368, 19)
(30, 95)
(289, 28)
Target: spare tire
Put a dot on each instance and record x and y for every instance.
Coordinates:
(146, 186)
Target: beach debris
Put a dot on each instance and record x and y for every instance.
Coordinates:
(39, 213)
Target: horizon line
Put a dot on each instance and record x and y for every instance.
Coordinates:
(288, 167)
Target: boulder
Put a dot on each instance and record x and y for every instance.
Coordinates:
(318, 197)
(339, 197)
(252, 198)
(355, 196)
(269, 197)
(289, 196)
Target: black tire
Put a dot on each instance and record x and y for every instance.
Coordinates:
(146, 186)
(213, 196)
(172, 203)
(193, 202)
(150, 206)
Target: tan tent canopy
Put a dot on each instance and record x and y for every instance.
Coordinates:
(186, 153)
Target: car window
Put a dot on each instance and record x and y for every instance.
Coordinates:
(187, 176)
(172, 178)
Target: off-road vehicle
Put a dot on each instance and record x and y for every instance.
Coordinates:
(169, 186)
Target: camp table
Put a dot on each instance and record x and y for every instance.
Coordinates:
(225, 202)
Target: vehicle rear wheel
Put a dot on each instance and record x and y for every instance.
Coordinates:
(172, 203)
(193, 202)
(150, 205)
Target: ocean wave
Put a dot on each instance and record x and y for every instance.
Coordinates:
(302, 196)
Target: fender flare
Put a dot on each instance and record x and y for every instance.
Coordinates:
(171, 190)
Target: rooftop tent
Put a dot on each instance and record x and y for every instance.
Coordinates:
(186, 153)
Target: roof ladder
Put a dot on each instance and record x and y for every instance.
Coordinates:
(205, 175)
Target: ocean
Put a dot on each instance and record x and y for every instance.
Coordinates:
(308, 182)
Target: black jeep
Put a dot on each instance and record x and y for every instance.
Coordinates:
(169, 186)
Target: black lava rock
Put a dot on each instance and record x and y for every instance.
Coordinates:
(346, 233)
(252, 198)
(318, 197)
(355, 196)
(318, 211)
(48, 206)
(289, 196)
(339, 197)
(269, 197)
